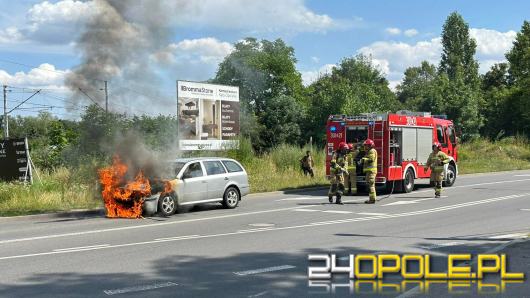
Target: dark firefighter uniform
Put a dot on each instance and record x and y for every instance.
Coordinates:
(436, 162)
(352, 170)
(370, 169)
(337, 173)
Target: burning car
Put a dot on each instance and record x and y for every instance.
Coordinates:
(187, 181)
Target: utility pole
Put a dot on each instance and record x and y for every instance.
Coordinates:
(6, 122)
(106, 98)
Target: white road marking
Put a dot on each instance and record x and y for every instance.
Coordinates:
(178, 237)
(306, 210)
(140, 288)
(525, 209)
(337, 211)
(400, 203)
(510, 236)
(258, 294)
(522, 175)
(300, 199)
(81, 248)
(264, 270)
(438, 245)
(208, 218)
(388, 216)
(147, 225)
(411, 201)
(255, 230)
(368, 213)
(262, 225)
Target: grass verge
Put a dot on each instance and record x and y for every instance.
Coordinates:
(67, 189)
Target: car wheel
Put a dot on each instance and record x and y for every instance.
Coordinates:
(167, 205)
(450, 176)
(408, 182)
(231, 198)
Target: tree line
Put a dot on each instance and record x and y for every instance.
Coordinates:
(276, 108)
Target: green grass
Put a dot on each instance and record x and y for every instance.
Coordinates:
(481, 155)
(75, 188)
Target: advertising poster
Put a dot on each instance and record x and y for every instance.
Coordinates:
(208, 116)
(14, 162)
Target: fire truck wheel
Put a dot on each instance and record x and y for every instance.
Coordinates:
(450, 176)
(231, 198)
(408, 182)
(167, 205)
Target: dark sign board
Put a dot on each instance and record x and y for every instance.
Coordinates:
(14, 160)
(229, 120)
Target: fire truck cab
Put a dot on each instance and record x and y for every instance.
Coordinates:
(403, 141)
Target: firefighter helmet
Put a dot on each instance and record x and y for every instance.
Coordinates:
(369, 142)
(350, 146)
(343, 145)
(437, 145)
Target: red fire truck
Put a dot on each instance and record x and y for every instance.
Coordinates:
(403, 141)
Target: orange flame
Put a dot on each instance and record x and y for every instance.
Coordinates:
(123, 198)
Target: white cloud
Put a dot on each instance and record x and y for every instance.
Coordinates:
(256, 16)
(311, 76)
(492, 42)
(61, 22)
(315, 59)
(10, 35)
(394, 57)
(57, 23)
(45, 76)
(195, 59)
(410, 32)
(397, 56)
(393, 31)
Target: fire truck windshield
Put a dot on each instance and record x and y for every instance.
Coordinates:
(356, 134)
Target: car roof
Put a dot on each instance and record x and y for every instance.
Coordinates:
(188, 159)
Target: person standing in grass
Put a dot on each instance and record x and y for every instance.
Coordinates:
(307, 164)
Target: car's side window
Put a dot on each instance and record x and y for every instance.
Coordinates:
(194, 170)
(214, 168)
(232, 166)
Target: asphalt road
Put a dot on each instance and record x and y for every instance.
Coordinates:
(261, 248)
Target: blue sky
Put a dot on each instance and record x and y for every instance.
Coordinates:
(41, 37)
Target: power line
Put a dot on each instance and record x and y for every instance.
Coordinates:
(24, 101)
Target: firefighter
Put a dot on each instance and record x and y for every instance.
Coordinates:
(436, 161)
(352, 171)
(307, 164)
(337, 181)
(370, 169)
(340, 154)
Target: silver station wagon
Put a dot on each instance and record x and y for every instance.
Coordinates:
(198, 181)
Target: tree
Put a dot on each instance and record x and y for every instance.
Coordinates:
(416, 89)
(495, 88)
(354, 86)
(462, 93)
(518, 103)
(519, 55)
(266, 74)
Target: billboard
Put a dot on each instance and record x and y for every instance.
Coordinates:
(14, 160)
(208, 116)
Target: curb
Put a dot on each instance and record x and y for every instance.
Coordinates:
(80, 213)
(101, 211)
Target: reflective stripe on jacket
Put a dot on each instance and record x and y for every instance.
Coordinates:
(370, 162)
(437, 161)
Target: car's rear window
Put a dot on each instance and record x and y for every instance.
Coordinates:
(232, 166)
(214, 167)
